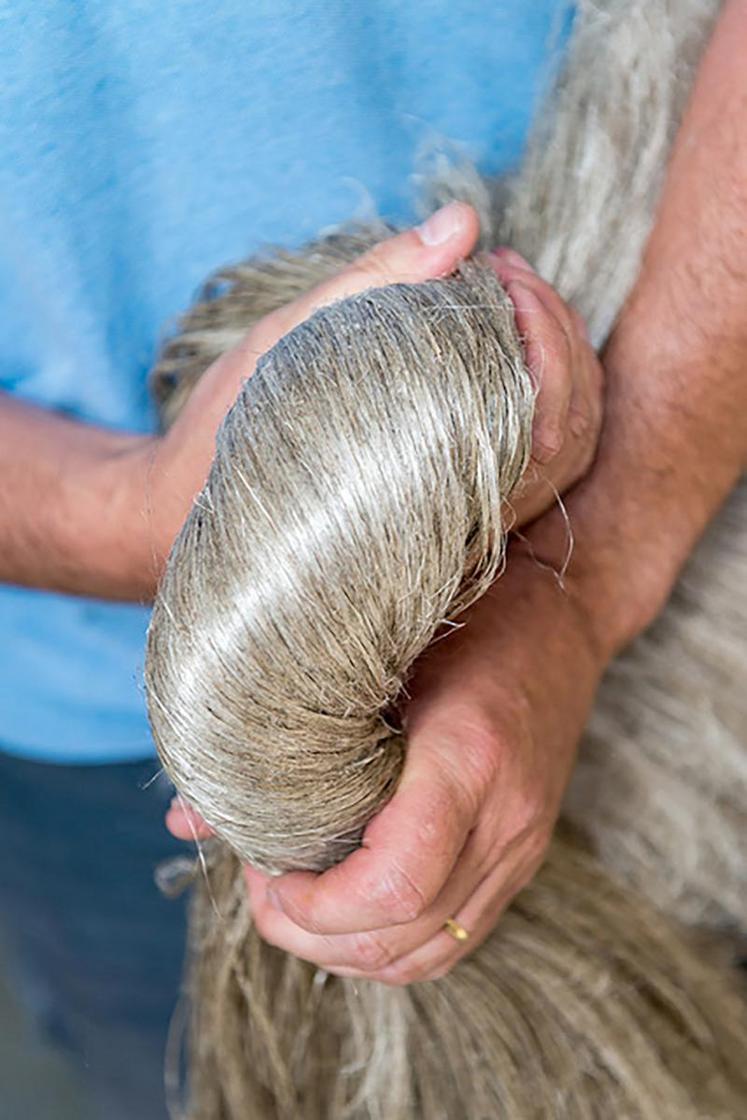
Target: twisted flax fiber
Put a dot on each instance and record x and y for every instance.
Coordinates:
(585, 1004)
(365, 499)
(353, 507)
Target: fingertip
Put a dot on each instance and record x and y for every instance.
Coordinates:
(504, 255)
(291, 894)
(455, 221)
(175, 825)
(426, 252)
(185, 823)
(447, 237)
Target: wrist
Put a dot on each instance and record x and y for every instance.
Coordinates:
(154, 483)
(609, 596)
(126, 550)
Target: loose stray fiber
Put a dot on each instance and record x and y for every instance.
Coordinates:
(354, 506)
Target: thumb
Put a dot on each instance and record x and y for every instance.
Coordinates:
(184, 822)
(430, 250)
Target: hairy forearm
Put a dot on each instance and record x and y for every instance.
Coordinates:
(65, 516)
(675, 435)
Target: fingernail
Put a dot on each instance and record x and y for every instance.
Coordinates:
(510, 256)
(441, 226)
(273, 898)
(176, 803)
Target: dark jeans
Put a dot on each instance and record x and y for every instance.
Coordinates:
(95, 951)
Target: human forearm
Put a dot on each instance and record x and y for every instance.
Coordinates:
(66, 517)
(675, 435)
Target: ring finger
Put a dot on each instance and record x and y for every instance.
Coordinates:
(477, 917)
(368, 951)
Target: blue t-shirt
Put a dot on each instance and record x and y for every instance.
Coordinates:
(143, 144)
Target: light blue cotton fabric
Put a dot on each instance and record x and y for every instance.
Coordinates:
(143, 144)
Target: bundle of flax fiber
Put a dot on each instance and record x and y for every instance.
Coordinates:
(354, 505)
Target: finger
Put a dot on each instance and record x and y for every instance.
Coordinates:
(577, 433)
(278, 930)
(548, 352)
(373, 949)
(585, 407)
(185, 823)
(431, 250)
(511, 263)
(549, 361)
(562, 387)
(478, 917)
(582, 423)
(408, 851)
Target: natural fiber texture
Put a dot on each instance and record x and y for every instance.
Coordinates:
(354, 507)
(584, 1005)
(365, 498)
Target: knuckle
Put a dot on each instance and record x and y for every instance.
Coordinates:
(581, 423)
(542, 839)
(414, 972)
(375, 265)
(438, 972)
(308, 919)
(528, 812)
(400, 975)
(585, 432)
(480, 754)
(370, 953)
(549, 443)
(401, 898)
(306, 914)
(444, 817)
(585, 415)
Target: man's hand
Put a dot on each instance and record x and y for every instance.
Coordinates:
(497, 710)
(496, 713)
(106, 506)
(486, 765)
(568, 406)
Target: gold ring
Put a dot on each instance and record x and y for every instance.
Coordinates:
(459, 933)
